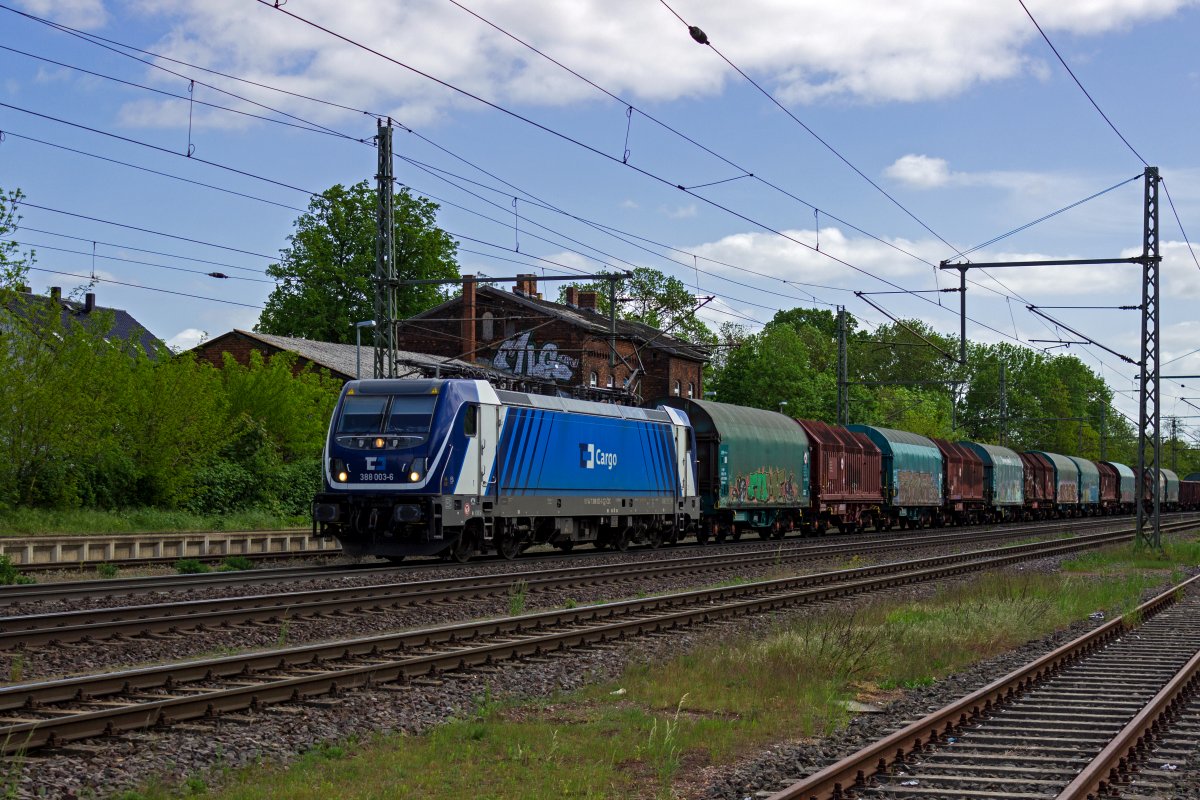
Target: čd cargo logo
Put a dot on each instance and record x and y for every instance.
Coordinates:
(591, 457)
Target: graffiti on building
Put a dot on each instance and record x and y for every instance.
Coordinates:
(767, 485)
(521, 355)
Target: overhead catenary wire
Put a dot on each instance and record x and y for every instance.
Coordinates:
(114, 46)
(27, 204)
(304, 127)
(40, 246)
(1110, 123)
(149, 170)
(99, 279)
(630, 107)
(159, 148)
(572, 140)
(701, 38)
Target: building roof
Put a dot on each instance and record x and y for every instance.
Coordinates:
(341, 359)
(123, 326)
(592, 321)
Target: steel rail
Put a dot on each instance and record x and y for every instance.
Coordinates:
(1113, 765)
(56, 628)
(533, 634)
(856, 772)
(147, 584)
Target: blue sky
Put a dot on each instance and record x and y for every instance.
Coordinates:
(959, 111)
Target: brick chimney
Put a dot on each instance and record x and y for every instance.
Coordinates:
(587, 301)
(467, 322)
(526, 285)
(56, 293)
(572, 296)
(89, 302)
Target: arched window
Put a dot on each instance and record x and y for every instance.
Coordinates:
(691, 389)
(489, 328)
(676, 389)
(608, 382)
(593, 380)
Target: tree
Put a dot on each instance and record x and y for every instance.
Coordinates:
(14, 266)
(655, 299)
(326, 276)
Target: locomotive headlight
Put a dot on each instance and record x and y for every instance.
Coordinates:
(414, 476)
(416, 467)
(338, 468)
(379, 444)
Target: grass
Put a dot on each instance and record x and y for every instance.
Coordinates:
(71, 522)
(636, 736)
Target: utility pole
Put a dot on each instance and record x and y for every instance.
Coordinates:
(843, 387)
(1149, 438)
(1003, 406)
(1103, 432)
(385, 266)
(1174, 433)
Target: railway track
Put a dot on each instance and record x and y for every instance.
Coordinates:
(159, 617)
(55, 712)
(1093, 716)
(158, 584)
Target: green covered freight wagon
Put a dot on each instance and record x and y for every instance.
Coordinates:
(752, 467)
(912, 474)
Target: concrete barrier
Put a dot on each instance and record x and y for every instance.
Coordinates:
(38, 551)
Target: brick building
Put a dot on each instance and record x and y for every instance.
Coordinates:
(567, 344)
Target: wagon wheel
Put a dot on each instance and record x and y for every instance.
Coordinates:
(565, 546)
(394, 559)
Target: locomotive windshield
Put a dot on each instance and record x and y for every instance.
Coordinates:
(405, 416)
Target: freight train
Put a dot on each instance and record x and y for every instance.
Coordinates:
(457, 468)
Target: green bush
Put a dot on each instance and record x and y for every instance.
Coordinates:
(191, 566)
(9, 574)
(107, 570)
(236, 563)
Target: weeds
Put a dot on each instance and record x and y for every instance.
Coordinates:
(236, 564)
(663, 747)
(281, 641)
(106, 570)
(517, 594)
(191, 566)
(16, 670)
(9, 574)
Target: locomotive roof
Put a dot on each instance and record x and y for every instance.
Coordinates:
(580, 406)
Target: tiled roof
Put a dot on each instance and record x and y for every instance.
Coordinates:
(590, 320)
(124, 327)
(341, 358)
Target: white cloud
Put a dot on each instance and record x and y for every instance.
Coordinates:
(630, 204)
(921, 172)
(86, 14)
(863, 50)
(680, 212)
(186, 339)
(927, 172)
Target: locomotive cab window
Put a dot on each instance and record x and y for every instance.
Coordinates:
(410, 416)
(362, 413)
(471, 420)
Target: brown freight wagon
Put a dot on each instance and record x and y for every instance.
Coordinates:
(963, 503)
(1110, 488)
(1189, 495)
(1039, 486)
(846, 477)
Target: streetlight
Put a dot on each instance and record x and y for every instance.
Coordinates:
(358, 326)
(782, 403)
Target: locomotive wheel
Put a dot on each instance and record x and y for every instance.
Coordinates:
(622, 541)
(462, 550)
(656, 538)
(508, 546)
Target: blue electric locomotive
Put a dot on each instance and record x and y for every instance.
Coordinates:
(456, 467)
